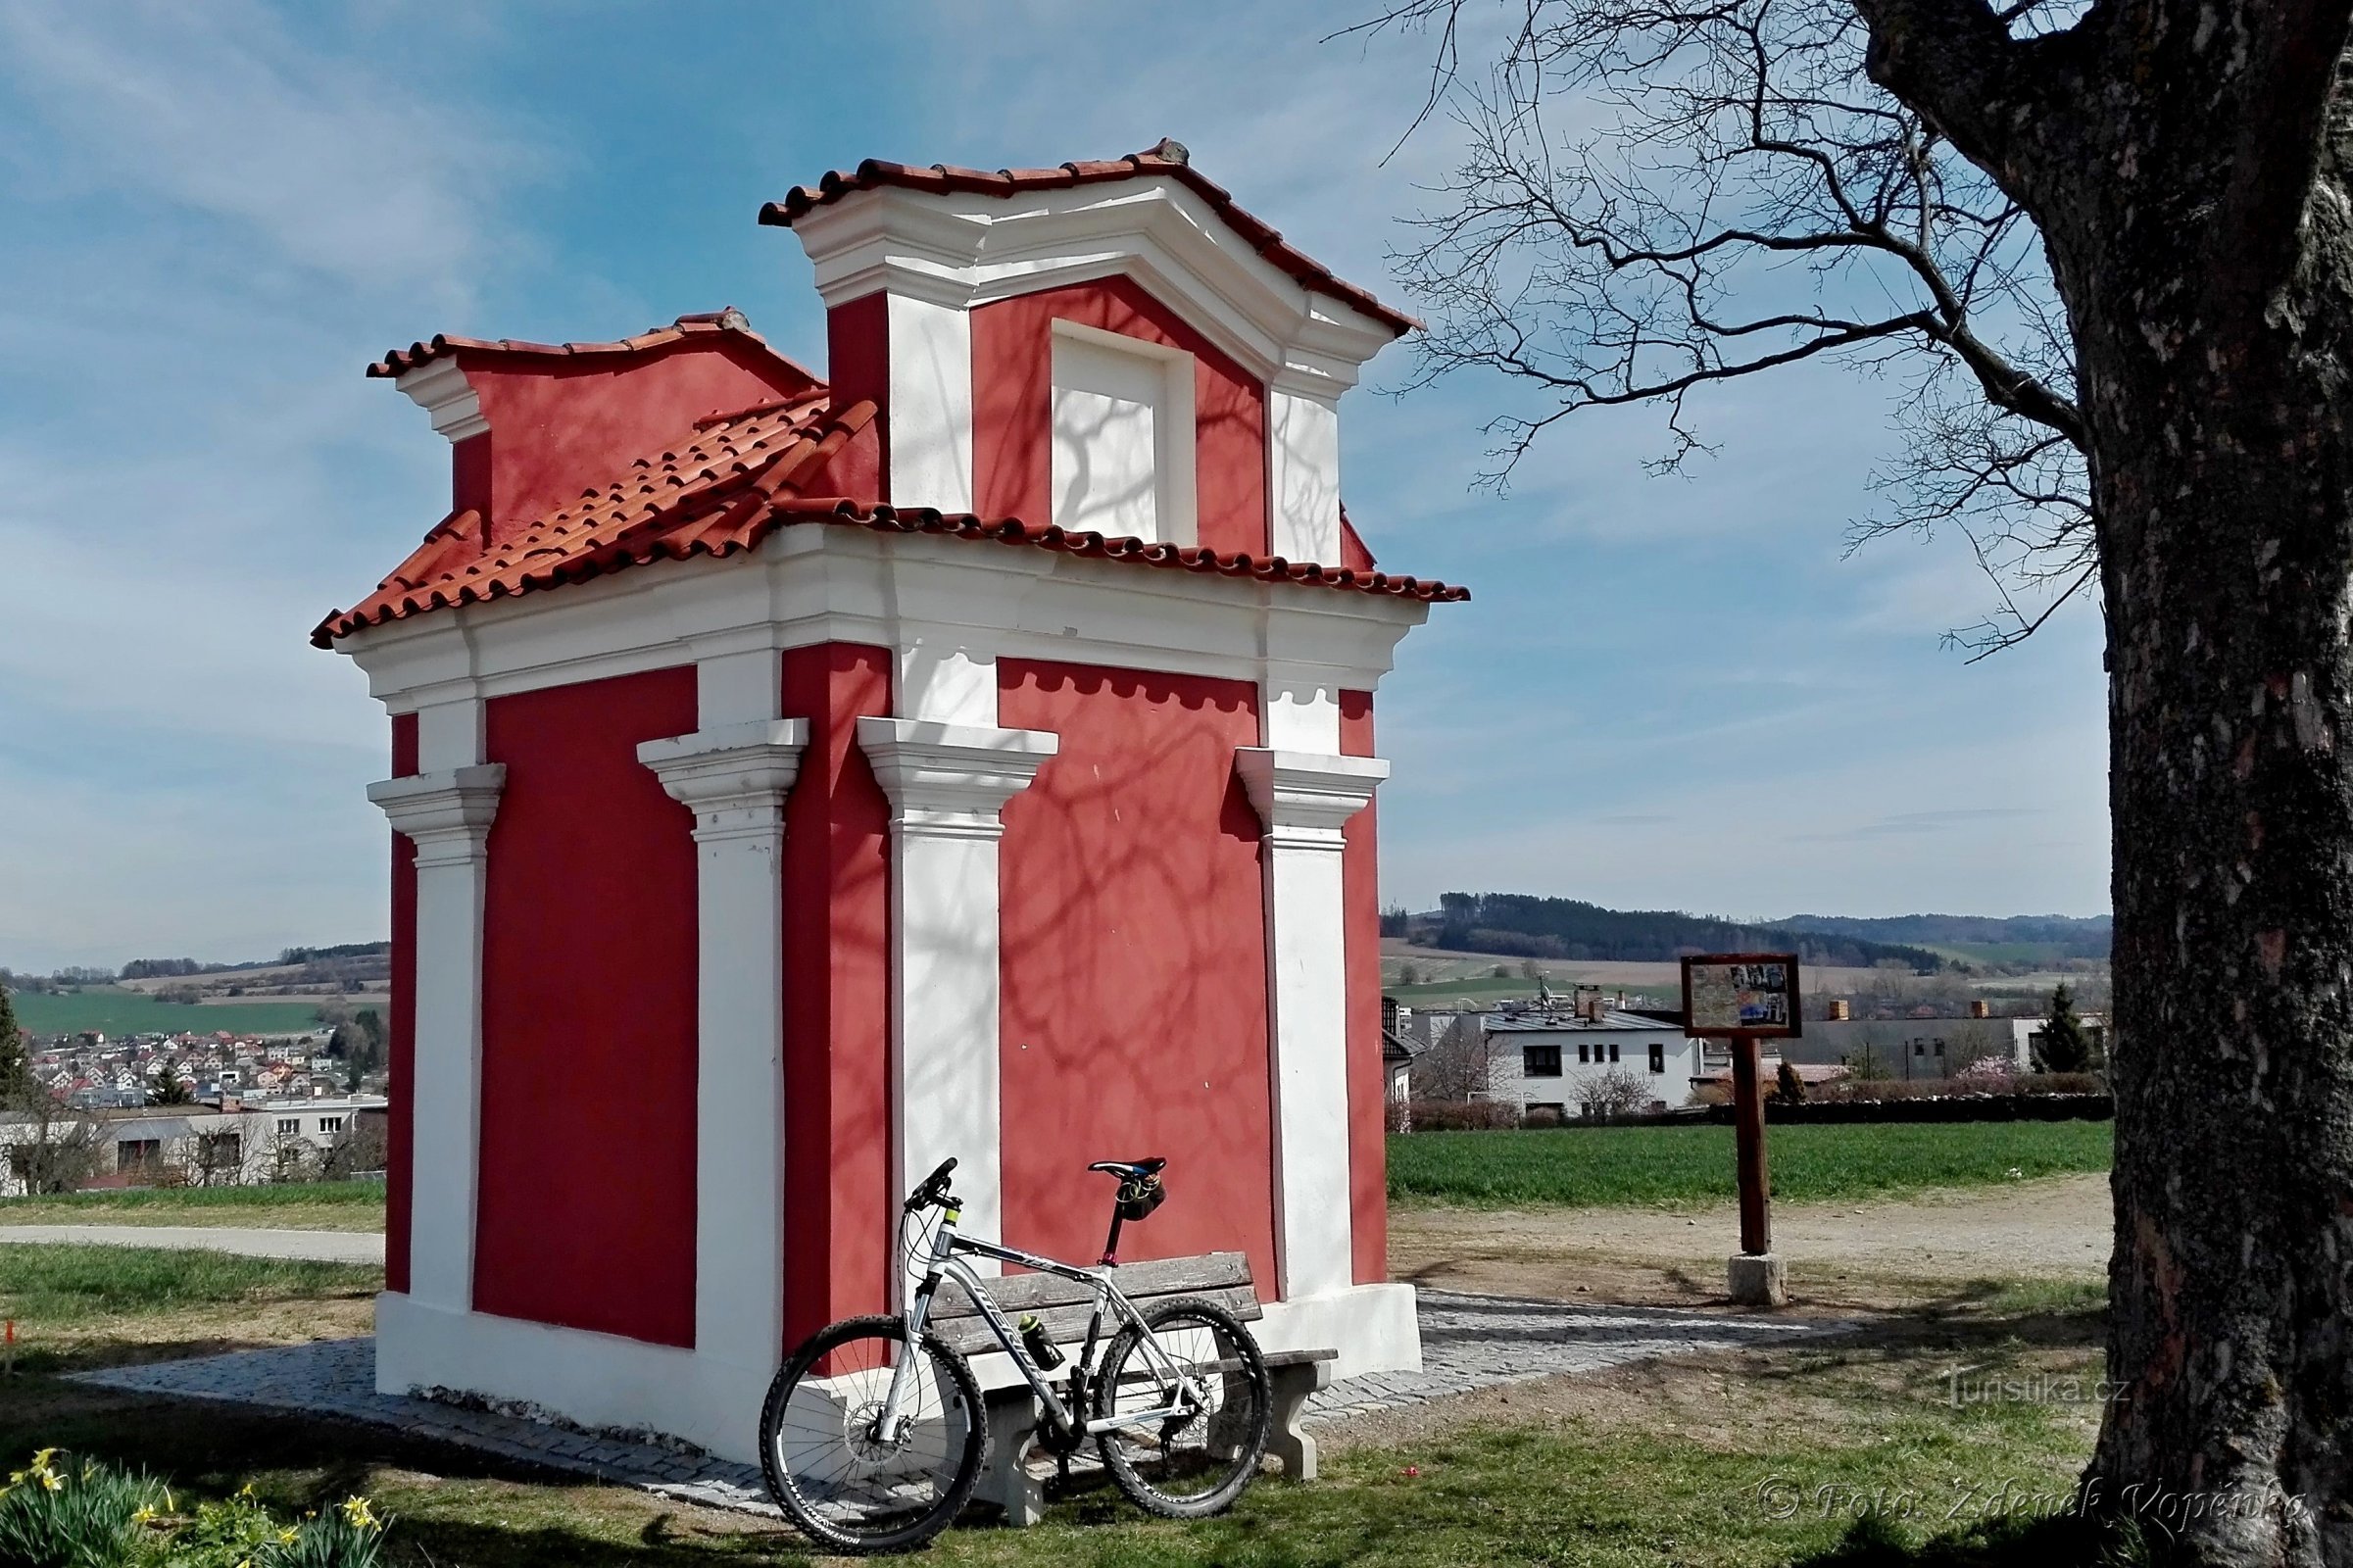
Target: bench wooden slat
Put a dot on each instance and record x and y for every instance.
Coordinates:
(1065, 1325)
(1016, 1293)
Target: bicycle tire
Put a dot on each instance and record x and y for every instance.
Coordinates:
(953, 1375)
(1240, 1379)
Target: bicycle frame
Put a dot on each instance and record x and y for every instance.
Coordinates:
(949, 1249)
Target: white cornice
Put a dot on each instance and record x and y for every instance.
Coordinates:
(1305, 797)
(441, 389)
(448, 814)
(964, 250)
(950, 780)
(819, 583)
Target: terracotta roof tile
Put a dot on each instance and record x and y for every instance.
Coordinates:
(705, 323)
(1169, 158)
(727, 484)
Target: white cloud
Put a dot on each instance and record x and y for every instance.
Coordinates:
(338, 166)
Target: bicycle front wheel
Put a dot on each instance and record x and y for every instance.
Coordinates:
(1179, 1454)
(823, 1451)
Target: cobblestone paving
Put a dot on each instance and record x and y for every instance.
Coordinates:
(1468, 1341)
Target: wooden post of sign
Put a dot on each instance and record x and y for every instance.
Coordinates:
(1744, 999)
(1755, 1276)
(1749, 1143)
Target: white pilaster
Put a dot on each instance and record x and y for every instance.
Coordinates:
(947, 785)
(447, 814)
(930, 423)
(734, 778)
(1305, 798)
(1302, 488)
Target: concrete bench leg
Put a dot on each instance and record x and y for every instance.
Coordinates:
(1288, 1443)
(1008, 1482)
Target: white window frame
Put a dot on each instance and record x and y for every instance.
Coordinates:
(1176, 446)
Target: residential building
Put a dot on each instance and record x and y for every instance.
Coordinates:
(1552, 1064)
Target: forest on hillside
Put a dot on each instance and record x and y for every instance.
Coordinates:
(1525, 926)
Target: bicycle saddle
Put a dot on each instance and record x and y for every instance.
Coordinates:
(1133, 1170)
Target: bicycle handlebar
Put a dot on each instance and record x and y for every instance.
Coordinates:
(934, 1186)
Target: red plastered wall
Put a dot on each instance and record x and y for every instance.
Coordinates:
(1134, 1010)
(586, 1213)
(401, 1027)
(1368, 1081)
(857, 365)
(837, 878)
(1013, 408)
(557, 427)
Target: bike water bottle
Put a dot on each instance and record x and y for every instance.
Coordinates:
(1042, 1350)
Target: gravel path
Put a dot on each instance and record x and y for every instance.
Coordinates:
(326, 1247)
(1468, 1343)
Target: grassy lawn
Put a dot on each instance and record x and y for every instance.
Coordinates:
(1608, 1166)
(81, 1306)
(1761, 1458)
(283, 1205)
(115, 1010)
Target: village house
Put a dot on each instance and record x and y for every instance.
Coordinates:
(967, 753)
(1558, 1062)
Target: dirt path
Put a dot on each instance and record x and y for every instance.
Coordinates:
(1886, 1253)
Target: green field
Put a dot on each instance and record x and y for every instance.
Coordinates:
(47, 1287)
(114, 1010)
(165, 1203)
(1608, 1166)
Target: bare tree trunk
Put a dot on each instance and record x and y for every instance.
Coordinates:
(2216, 387)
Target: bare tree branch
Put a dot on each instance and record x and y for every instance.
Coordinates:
(1729, 193)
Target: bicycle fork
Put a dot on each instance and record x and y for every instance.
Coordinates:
(888, 1425)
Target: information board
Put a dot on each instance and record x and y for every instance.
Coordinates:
(1742, 994)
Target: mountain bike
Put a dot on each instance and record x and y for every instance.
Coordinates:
(873, 1435)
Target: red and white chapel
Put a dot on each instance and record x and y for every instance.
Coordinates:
(796, 782)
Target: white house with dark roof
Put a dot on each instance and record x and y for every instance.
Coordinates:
(1549, 1061)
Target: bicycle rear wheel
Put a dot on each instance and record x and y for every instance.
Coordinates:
(1196, 1459)
(823, 1454)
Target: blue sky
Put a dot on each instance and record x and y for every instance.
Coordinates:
(1667, 693)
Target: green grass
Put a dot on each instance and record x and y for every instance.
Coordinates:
(278, 1195)
(114, 1010)
(1608, 1166)
(45, 1287)
(1770, 1466)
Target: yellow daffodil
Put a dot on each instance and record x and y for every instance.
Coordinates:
(40, 1460)
(361, 1515)
(245, 1495)
(286, 1537)
(53, 1481)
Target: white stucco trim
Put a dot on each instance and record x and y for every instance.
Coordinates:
(930, 424)
(1302, 478)
(734, 778)
(947, 785)
(447, 814)
(598, 1380)
(440, 388)
(818, 584)
(1304, 799)
(965, 249)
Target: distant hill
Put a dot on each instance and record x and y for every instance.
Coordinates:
(1521, 925)
(1979, 939)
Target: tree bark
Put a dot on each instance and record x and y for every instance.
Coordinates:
(2188, 165)
(2216, 361)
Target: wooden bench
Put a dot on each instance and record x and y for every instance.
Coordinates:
(1064, 1306)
